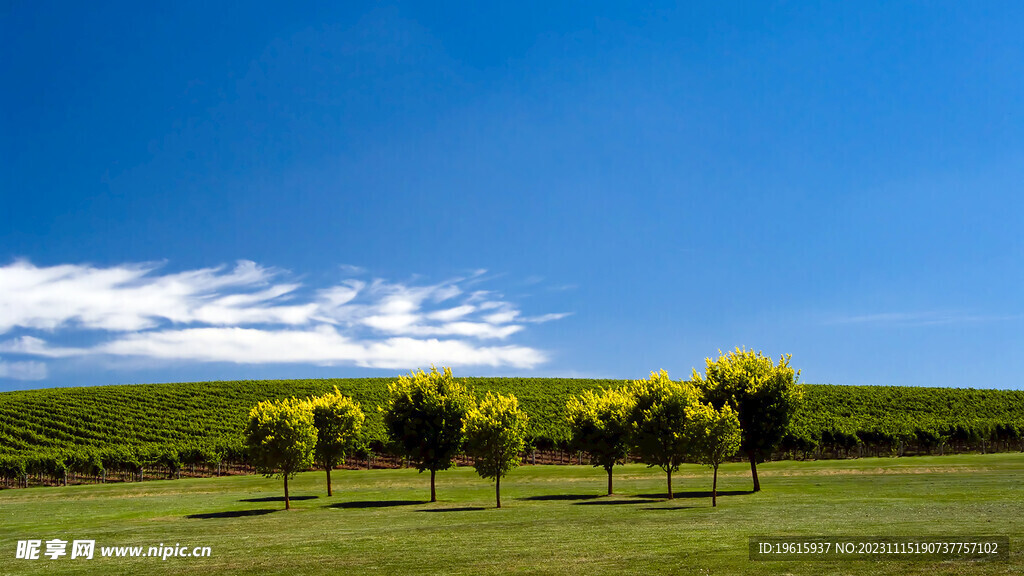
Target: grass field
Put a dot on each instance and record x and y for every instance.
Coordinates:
(554, 519)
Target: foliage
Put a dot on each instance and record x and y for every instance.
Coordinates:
(495, 433)
(424, 416)
(714, 436)
(659, 418)
(600, 425)
(763, 394)
(116, 424)
(339, 422)
(281, 437)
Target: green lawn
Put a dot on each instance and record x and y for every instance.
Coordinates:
(554, 519)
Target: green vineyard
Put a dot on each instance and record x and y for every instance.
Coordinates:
(125, 430)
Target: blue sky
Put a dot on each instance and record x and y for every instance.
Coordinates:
(591, 189)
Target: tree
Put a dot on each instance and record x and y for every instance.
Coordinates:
(659, 421)
(600, 425)
(281, 439)
(764, 395)
(339, 421)
(715, 436)
(495, 436)
(424, 416)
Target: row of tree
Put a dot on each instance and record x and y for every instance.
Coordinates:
(661, 421)
(743, 402)
(168, 417)
(430, 418)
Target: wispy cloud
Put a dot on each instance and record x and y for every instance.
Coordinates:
(250, 314)
(926, 318)
(131, 297)
(322, 345)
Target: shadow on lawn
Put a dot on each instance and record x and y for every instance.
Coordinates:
(563, 497)
(616, 502)
(278, 499)
(668, 507)
(697, 494)
(230, 514)
(377, 503)
(462, 509)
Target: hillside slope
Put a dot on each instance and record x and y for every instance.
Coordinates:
(59, 419)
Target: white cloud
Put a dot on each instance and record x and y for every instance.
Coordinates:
(545, 317)
(130, 297)
(502, 317)
(321, 345)
(247, 314)
(29, 370)
(450, 314)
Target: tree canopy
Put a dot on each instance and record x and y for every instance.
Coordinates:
(339, 421)
(715, 436)
(281, 438)
(763, 394)
(659, 419)
(495, 436)
(600, 425)
(424, 416)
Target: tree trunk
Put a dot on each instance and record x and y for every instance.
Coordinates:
(497, 491)
(609, 469)
(287, 504)
(433, 494)
(670, 497)
(714, 488)
(329, 491)
(753, 470)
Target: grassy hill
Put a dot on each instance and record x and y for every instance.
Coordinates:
(102, 417)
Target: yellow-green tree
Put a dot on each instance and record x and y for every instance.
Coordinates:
(339, 422)
(659, 420)
(495, 432)
(600, 425)
(281, 438)
(423, 416)
(764, 395)
(714, 436)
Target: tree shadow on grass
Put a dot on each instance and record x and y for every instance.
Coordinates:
(697, 494)
(377, 503)
(278, 499)
(616, 502)
(461, 509)
(231, 514)
(563, 497)
(668, 507)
